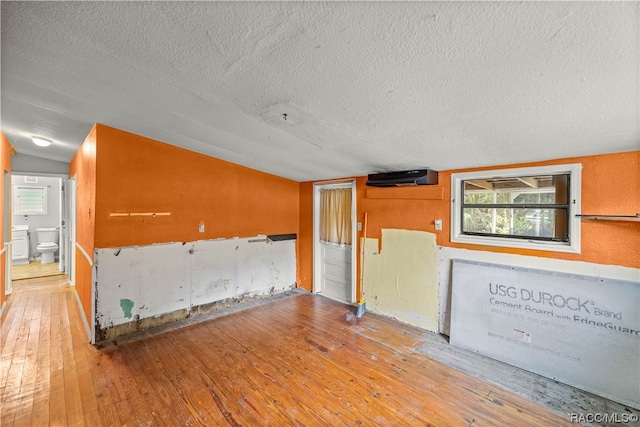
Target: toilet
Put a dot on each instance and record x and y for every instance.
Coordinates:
(47, 239)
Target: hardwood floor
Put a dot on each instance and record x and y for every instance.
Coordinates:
(34, 269)
(297, 360)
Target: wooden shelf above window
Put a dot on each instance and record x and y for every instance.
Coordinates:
(630, 218)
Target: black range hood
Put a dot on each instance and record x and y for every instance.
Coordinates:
(403, 178)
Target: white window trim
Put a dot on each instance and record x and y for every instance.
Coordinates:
(573, 246)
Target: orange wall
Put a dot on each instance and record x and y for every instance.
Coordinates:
(5, 165)
(140, 175)
(83, 167)
(610, 185)
(305, 237)
(119, 172)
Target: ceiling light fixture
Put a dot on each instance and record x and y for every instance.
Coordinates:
(40, 142)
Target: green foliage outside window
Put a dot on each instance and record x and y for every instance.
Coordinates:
(509, 221)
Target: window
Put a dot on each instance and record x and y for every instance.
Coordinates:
(530, 208)
(30, 201)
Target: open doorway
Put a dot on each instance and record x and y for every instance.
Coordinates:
(38, 231)
(334, 238)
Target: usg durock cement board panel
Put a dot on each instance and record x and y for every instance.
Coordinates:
(583, 331)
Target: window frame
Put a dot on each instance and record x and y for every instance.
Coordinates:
(16, 200)
(575, 184)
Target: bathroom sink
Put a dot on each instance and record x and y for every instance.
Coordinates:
(20, 228)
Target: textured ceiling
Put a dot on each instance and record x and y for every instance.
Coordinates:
(365, 86)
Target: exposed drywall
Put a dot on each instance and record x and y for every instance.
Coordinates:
(401, 280)
(580, 330)
(143, 286)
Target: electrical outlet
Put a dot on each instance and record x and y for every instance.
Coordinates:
(201, 227)
(438, 223)
(359, 226)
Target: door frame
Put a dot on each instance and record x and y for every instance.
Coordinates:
(63, 258)
(317, 250)
(63, 215)
(8, 211)
(71, 229)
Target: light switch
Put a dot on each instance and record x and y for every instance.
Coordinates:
(201, 227)
(438, 223)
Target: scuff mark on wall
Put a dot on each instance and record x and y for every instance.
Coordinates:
(401, 280)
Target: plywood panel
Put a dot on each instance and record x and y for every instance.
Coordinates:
(581, 330)
(401, 281)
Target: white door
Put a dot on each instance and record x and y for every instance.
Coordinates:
(334, 275)
(336, 271)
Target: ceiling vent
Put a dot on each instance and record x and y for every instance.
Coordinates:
(397, 179)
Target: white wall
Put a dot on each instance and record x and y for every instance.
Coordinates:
(37, 165)
(52, 219)
(140, 282)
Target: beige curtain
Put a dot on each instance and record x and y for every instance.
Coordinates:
(335, 215)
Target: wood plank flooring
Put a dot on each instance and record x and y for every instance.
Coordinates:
(296, 360)
(34, 269)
